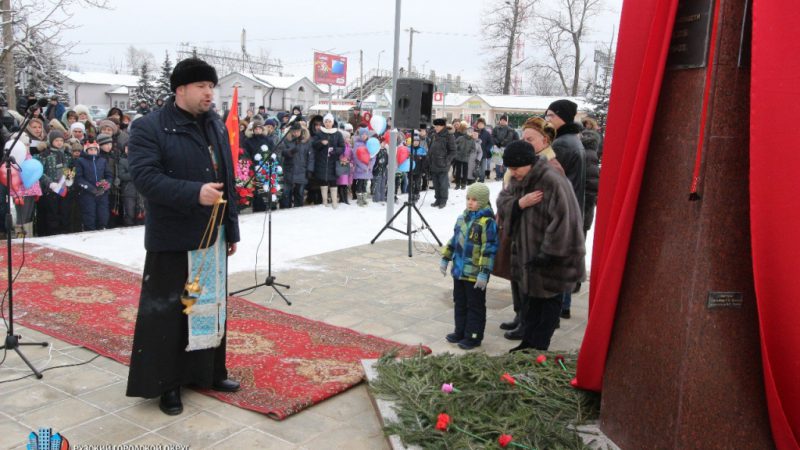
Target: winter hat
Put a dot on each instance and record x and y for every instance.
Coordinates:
(272, 121)
(192, 70)
(363, 131)
(295, 126)
(519, 154)
(440, 122)
(328, 117)
(77, 126)
(479, 192)
(104, 139)
(53, 135)
(74, 145)
(82, 109)
(107, 123)
(258, 121)
(91, 144)
(564, 109)
(348, 127)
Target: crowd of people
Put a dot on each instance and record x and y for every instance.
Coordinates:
(86, 182)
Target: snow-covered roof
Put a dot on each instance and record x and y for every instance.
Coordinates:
(337, 108)
(111, 79)
(276, 81)
(119, 90)
(528, 102)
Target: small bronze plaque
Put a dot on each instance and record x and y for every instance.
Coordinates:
(688, 48)
(724, 300)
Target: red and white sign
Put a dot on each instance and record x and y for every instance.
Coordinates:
(330, 69)
(438, 97)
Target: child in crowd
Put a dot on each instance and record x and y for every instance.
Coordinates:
(419, 164)
(94, 179)
(362, 170)
(53, 207)
(472, 250)
(379, 175)
(130, 197)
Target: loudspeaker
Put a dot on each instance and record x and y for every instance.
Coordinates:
(414, 103)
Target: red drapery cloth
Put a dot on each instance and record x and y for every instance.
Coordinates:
(775, 208)
(644, 36)
(232, 124)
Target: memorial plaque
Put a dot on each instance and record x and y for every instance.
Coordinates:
(724, 300)
(688, 48)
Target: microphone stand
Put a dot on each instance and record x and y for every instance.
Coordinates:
(270, 279)
(12, 341)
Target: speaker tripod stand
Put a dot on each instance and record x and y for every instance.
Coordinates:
(409, 205)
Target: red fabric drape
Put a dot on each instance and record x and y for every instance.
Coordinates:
(775, 208)
(644, 36)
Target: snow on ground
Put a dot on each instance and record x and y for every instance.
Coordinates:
(296, 233)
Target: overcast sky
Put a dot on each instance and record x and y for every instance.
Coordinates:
(449, 42)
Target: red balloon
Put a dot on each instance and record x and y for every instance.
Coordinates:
(402, 154)
(16, 182)
(362, 154)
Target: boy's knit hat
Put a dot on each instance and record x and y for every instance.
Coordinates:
(479, 192)
(104, 139)
(53, 135)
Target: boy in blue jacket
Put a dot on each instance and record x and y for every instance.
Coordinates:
(472, 250)
(94, 179)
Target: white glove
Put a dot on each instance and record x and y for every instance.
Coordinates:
(53, 187)
(69, 181)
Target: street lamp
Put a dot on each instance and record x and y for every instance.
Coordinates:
(379, 61)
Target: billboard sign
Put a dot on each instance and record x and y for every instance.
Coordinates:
(330, 69)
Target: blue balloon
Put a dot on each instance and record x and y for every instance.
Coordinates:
(32, 170)
(405, 166)
(378, 123)
(373, 145)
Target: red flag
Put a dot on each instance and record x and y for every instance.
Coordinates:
(232, 124)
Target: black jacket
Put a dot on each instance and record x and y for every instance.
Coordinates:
(442, 150)
(298, 158)
(325, 160)
(569, 153)
(170, 161)
(486, 143)
(503, 136)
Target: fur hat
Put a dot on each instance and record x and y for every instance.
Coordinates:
(77, 126)
(108, 123)
(53, 135)
(348, 127)
(56, 124)
(519, 154)
(441, 122)
(564, 109)
(82, 109)
(104, 139)
(479, 192)
(328, 117)
(192, 70)
(74, 145)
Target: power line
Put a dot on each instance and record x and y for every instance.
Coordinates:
(233, 41)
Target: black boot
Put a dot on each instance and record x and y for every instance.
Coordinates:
(343, 194)
(510, 325)
(515, 334)
(170, 403)
(520, 347)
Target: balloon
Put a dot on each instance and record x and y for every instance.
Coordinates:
(32, 170)
(378, 123)
(19, 152)
(363, 154)
(402, 154)
(15, 181)
(405, 166)
(373, 145)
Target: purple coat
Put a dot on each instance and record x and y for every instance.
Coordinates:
(362, 171)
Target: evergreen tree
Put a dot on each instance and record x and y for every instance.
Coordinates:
(162, 86)
(145, 89)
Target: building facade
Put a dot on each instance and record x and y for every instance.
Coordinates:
(275, 93)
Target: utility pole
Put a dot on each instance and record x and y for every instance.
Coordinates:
(8, 56)
(411, 32)
(360, 76)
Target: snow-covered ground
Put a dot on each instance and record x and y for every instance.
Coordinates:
(296, 233)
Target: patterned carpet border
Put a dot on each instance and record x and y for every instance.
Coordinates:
(285, 362)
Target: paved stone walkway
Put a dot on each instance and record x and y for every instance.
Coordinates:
(375, 289)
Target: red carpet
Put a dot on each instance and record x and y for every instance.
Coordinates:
(285, 362)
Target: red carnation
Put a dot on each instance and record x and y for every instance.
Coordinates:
(560, 360)
(541, 359)
(504, 440)
(508, 379)
(442, 422)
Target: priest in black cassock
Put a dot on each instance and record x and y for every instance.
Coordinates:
(181, 163)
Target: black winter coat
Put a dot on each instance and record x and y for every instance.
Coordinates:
(503, 136)
(89, 170)
(569, 153)
(486, 143)
(127, 189)
(170, 161)
(591, 144)
(441, 152)
(252, 146)
(326, 156)
(298, 158)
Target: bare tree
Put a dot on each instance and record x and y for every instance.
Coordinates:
(559, 31)
(135, 58)
(503, 28)
(542, 82)
(42, 21)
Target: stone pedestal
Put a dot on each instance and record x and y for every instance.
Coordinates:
(681, 375)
